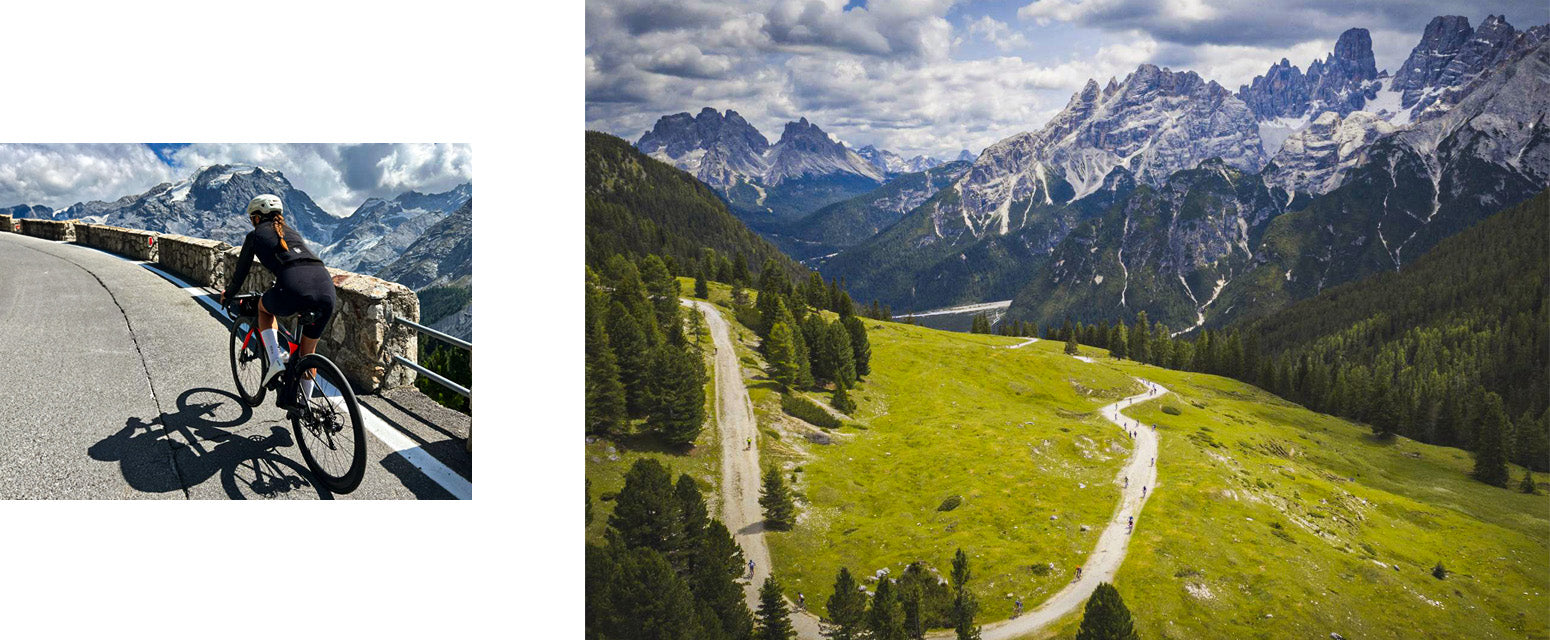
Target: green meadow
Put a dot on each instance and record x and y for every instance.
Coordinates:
(1272, 521)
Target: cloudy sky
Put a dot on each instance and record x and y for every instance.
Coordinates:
(936, 76)
(337, 176)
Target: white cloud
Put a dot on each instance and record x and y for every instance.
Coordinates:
(341, 176)
(59, 175)
(885, 73)
(337, 176)
(998, 34)
(1260, 24)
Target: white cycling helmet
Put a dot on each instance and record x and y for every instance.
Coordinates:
(265, 205)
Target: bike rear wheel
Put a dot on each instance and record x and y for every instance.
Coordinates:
(248, 363)
(328, 426)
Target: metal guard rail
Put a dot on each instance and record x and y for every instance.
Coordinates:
(435, 377)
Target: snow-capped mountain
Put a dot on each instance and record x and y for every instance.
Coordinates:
(35, 211)
(380, 230)
(718, 149)
(1150, 125)
(1343, 82)
(1316, 158)
(1451, 55)
(1450, 60)
(765, 183)
(1168, 251)
(804, 150)
(892, 164)
(442, 256)
(722, 150)
(210, 204)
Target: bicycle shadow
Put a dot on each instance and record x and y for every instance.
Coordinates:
(198, 442)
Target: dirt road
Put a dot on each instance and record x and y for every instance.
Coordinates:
(1106, 557)
(740, 473)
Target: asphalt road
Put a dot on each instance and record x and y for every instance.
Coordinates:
(116, 383)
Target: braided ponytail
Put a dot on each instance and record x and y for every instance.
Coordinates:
(279, 230)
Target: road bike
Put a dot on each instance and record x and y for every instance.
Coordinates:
(328, 421)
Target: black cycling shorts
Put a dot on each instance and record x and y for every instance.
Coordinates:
(299, 289)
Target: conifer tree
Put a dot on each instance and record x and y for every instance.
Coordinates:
(691, 504)
(1119, 346)
(715, 565)
(860, 346)
(633, 355)
(646, 511)
(1491, 442)
(847, 608)
(701, 286)
(676, 393)
(842, 401)
(781, 355)
(837, 346)
(815, 335)
(770, 307)
(605, 394)
(774, 618)
(1140, 336)
(885, 619)
(1528, 486)
(1106, 617)
(981, 324)
(1162, 346)
(740, 270)
(779, 511)
(844, 306)
(635, 584)
(663, 290)
(964, 604)
(914, 619)
(1071, 349)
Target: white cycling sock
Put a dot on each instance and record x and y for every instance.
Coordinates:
(272, 344)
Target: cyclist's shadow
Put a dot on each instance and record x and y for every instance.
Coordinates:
(199, 443)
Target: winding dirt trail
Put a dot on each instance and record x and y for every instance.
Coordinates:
(740, 477)
(1104, 561)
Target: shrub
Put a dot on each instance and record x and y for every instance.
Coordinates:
(1040, 569)
(1170, 410)
(804, 409)
(1438, 572)
(950, 503)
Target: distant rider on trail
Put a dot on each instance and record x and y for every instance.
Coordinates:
(302, 284)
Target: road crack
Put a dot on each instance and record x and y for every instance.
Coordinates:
(134, 338)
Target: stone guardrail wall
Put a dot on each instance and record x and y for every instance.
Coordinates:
(135, 243)
(49, 229)
(359, 339)
(6, 224)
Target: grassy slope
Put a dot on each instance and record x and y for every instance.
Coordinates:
(1290, 513)
(1012, 432)
(1291, 523)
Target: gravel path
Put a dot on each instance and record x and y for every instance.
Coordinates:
(740, 473)
(1105, 559)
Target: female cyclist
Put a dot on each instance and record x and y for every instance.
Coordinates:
(301, 284)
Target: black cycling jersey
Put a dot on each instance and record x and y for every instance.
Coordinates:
(302, 283)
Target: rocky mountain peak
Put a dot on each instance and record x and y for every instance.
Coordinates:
(1341, 82)
(1353, 56)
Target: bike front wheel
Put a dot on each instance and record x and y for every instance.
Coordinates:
(328, 425)
(248, 364)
